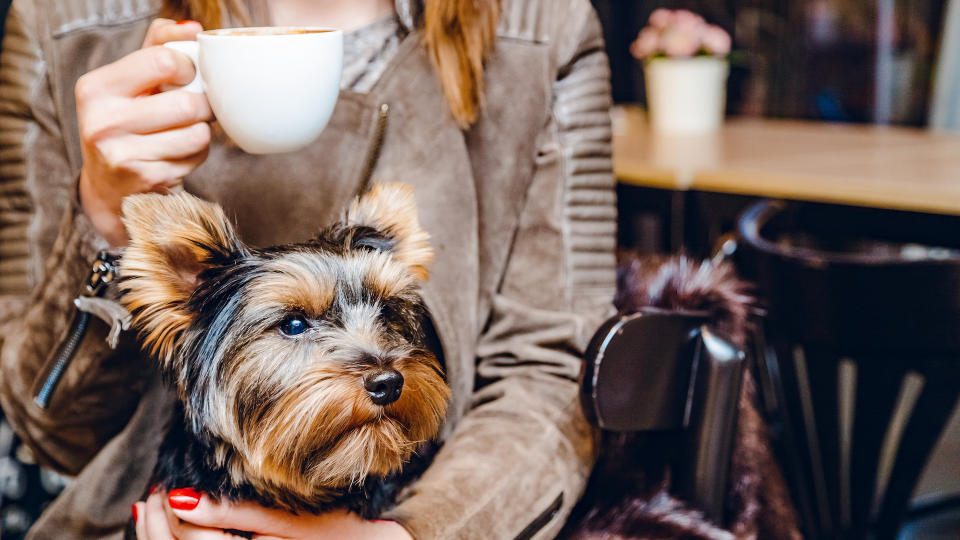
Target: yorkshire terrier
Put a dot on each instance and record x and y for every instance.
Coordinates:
(304, 377)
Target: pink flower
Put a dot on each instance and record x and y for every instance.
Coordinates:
(676, 42)
(688, 21)
(680, 33)
(646, 44)
(716, 40)
(661, 18)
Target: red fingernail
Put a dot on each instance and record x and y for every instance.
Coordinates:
(133, 510)
(153, 489)
(186, 21)
(184, 499)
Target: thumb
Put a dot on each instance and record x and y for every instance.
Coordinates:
(164, 30)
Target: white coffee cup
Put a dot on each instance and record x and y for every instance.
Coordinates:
(272, 89)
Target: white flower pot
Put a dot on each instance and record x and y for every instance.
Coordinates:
(686, 96)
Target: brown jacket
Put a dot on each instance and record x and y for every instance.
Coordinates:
(521, 212)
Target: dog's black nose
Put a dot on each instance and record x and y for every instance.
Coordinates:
(384, 387)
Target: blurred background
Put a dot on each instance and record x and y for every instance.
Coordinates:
(856, 62)
(836, 60)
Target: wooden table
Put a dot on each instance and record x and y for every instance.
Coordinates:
(880, 167)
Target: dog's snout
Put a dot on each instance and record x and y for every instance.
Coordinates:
(384, 387)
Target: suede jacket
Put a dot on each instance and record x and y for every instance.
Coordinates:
(521, 213)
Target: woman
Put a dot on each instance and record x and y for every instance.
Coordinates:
(496, 114)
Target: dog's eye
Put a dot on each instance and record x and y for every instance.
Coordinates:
(293, 325)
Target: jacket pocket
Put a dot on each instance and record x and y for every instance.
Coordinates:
(541, 521)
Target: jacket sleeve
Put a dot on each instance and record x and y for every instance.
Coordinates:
(519, 459)
(98, 390)
(19, 70)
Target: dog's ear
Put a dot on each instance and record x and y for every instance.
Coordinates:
(173, 239)
(391, 209)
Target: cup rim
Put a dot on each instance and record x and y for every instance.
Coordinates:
(269, 31)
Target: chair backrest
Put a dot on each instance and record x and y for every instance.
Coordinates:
(865, 331)
(637, 371)
(662, 371)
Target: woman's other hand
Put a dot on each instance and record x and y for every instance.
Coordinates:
(136, 138)
(187, 515)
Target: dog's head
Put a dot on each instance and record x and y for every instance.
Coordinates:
(305, 364)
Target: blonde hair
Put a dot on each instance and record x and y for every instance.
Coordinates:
(458, 35)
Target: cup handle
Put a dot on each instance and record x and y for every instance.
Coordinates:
(191, 49)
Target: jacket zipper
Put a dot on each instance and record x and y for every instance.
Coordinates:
(370, 162)
(78, 329)
(103, 273)
(541, 521)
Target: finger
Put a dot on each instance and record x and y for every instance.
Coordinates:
(140, 525)
(162, 176)
(183, 530)
(101, 123)
(242, 516)
(136, 73)
(140, 176)
(164, 30)
(175, 108)
(155, 25)
(171, 144)
(155, 519)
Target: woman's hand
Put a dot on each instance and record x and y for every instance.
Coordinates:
(134, 137)
(186, 515)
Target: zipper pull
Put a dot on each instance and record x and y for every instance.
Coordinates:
(103, 273)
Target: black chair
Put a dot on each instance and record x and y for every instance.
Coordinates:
(668, 373)
(863, 324)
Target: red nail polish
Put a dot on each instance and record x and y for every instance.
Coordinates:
(133, 510)
(186, 21)
(153, 489)
(184, 499)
